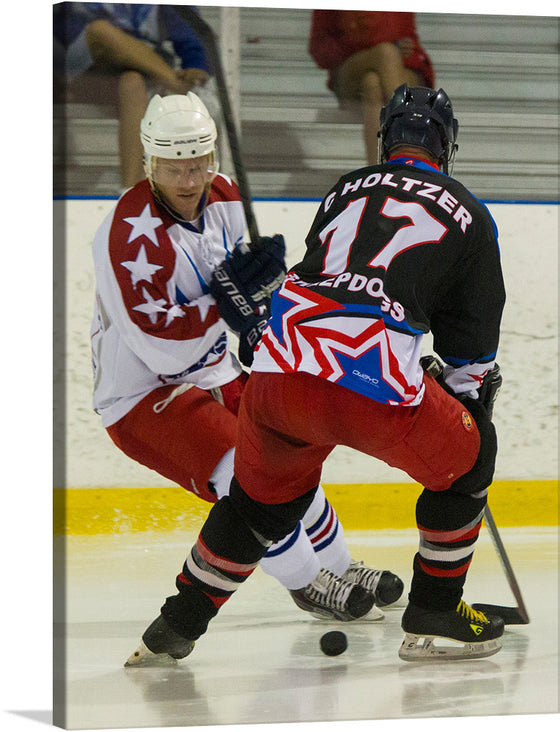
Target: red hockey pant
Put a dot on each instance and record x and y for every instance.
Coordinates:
(289, 423)
(186, 440)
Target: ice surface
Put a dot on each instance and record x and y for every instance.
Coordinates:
(260, 660)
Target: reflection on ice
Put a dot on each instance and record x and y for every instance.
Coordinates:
(260, 661)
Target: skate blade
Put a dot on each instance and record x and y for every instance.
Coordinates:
(143, 657)
(423, 648)
(374, 614)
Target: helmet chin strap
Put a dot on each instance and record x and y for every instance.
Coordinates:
(157, 195)
(450, 160)
(160, 198)
(380, 156)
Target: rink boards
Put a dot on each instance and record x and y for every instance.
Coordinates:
(106, 492)
(359, 507)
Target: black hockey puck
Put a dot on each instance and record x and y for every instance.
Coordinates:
(333, 643)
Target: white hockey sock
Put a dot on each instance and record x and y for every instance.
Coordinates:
(292, 560)
(317, 543)
(223, 473)
(326, 535)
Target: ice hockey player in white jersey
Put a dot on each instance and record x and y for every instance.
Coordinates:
(170, 264)
(396, 250)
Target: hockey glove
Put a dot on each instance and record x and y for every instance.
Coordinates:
(269, 263)
(490, 388)
(240, 312)
(242, 286)
(248, 340)
(256, 272)
(235, 304)
(487, 392)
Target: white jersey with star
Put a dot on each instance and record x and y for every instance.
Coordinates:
(155, 322)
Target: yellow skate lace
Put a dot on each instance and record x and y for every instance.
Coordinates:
(468, 612)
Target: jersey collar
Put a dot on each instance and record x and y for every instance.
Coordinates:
(197, 227)
(414, 162)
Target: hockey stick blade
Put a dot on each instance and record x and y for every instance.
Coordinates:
(518, 615)
(208, 38)
(510, 615)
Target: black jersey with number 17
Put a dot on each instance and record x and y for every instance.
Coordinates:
(395, 251)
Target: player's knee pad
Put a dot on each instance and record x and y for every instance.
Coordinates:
(228, 534)
(225, 554)
(480, 475)
(273, 521)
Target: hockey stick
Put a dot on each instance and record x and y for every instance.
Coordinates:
(491, 385)
(511, 615)
(208, 38)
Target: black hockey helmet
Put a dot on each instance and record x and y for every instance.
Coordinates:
(420, 117)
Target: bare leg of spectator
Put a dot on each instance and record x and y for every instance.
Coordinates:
(372, 76)
(371, 93)
(113, 47)
(133, 99)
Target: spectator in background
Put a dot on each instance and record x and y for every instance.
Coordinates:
(368, 55)
(125, 53)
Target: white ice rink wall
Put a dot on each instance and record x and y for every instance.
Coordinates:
(526, 415)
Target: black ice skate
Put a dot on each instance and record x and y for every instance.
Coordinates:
(385, 586)
(159, 645)
(334, 598)
(465, 633)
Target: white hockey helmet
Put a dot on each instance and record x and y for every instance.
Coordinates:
(177, 126)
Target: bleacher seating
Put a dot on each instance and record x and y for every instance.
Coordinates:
(502, 73)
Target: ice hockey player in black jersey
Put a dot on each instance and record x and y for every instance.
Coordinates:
(396, 250)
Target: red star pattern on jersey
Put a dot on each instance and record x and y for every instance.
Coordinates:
(300, 327)
(139, 229)
(223, 189)
(288, 356)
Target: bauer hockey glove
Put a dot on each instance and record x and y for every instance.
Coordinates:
(235, 304)
(241, 313)
(269, 265)
(248, 340)
(257, 272)
(242, 286)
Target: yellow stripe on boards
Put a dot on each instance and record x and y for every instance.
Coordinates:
(119, 510)
(359, 507)
(392, 505)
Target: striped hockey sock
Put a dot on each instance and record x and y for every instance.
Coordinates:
(226, 553)
(292, 560)
(317, 543)
(326, 535)
(449, 524)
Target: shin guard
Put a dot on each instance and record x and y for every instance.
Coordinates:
(449, 524)
(226, 553)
